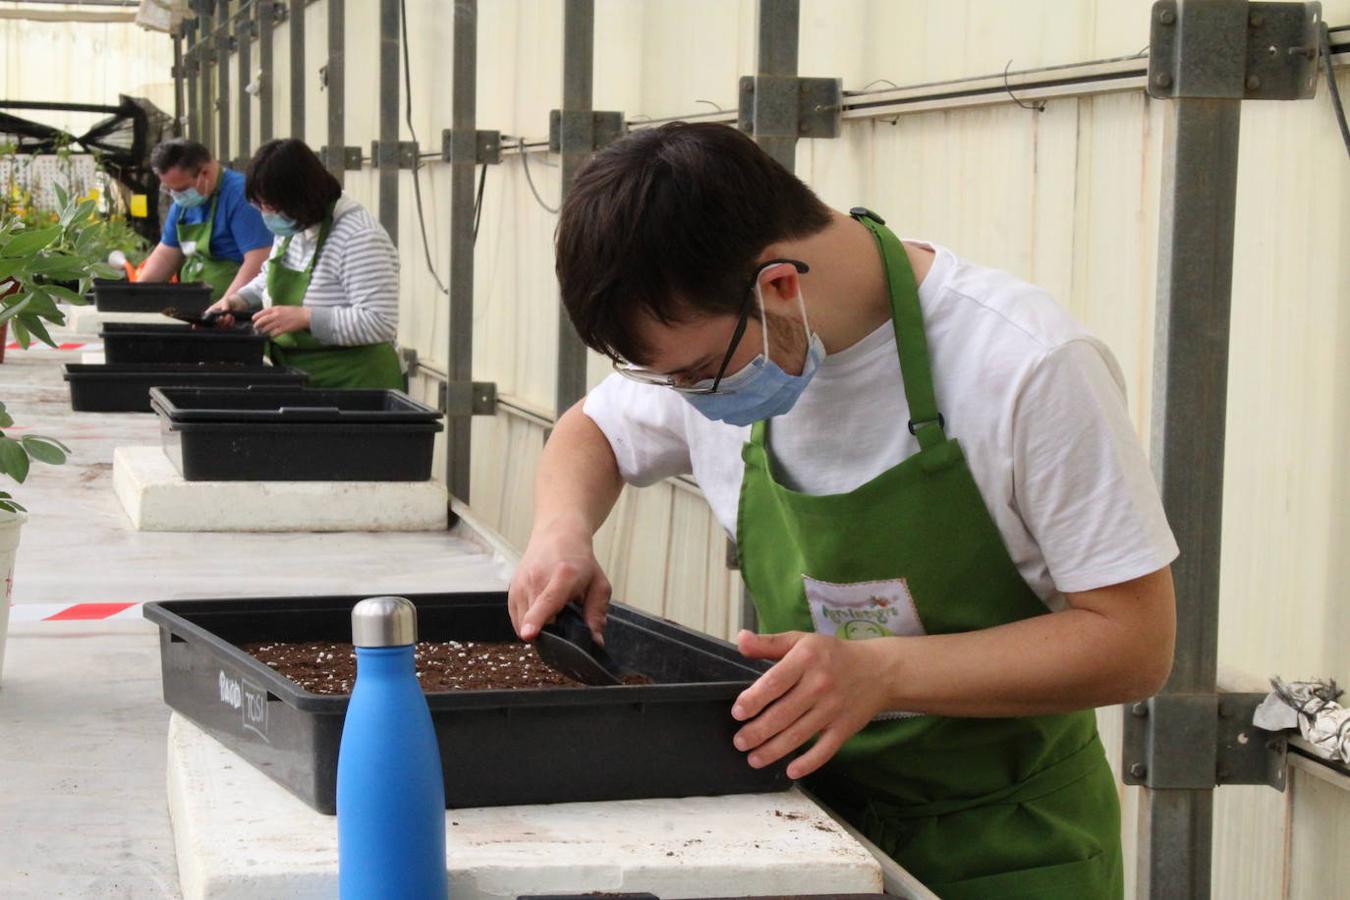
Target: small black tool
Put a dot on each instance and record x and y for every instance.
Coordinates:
(566, 645)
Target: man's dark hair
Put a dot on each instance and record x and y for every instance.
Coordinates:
(287, 176)
(179, 153)
(667, 223)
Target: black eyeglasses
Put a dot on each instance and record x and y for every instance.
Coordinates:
(706, 386)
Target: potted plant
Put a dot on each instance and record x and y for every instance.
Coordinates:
(30, 260)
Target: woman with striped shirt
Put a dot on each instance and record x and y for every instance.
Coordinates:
(328, 294)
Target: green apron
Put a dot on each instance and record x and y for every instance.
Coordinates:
(367, 366)
(975, 808)
(199, 264)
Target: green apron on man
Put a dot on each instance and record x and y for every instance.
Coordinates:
(199, 265)
(975, 808)
(366, 366)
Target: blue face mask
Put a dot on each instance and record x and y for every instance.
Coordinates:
(188, 198)
(280, 225)
(762, 389)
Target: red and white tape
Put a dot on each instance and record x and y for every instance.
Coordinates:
(70, 345)
(73, 612)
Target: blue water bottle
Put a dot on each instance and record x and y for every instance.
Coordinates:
(390, 798)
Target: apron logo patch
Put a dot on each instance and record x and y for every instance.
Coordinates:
(866, 609)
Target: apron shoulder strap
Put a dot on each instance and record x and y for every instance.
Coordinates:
(925, 422)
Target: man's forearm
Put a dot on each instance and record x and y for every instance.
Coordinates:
(162, 263)
(578, 480)
(1074, 659)
(248, 269)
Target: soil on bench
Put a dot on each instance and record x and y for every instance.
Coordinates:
(327, 667)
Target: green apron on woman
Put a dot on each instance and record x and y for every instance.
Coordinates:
(366, 366)
(198, 263)
(975, 808)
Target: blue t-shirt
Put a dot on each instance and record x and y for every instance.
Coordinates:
(238, 227)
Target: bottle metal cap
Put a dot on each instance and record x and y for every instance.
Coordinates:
(384, 622)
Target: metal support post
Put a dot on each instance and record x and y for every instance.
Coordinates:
(463, 160)
(245, 30)
(1206, 56)
(222, 42)
(297, 35)
(178, 76)
(194, 128)
(776, 31)
(269, 13)
(206, 59)
(576, 143)
(386, 161)
(337, 77)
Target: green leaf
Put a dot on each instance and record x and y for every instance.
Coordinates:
(13, 459)
(64, 294)
(65, 266)
(13, 309)
(103, 270)
(77, 212)
(43, 451)
(21, 332)
(12, 506)
(6, 419)
(34, 324)
(9, 266)
(87, 242)
(62, 198)
(26, 243)
(50, 440)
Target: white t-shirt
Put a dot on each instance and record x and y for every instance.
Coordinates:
(1037, 403)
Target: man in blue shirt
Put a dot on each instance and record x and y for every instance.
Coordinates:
(211, 233)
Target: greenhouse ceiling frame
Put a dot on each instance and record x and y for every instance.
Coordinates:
(1207, 58)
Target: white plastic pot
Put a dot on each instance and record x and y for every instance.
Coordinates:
(10, 524)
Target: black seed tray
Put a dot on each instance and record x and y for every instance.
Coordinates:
(288, 434)
(125, 342)
(117, 387)
(498, 747)
(191, 298)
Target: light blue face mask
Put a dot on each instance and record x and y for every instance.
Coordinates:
(762, 389)
(188, 198)
(280, 225)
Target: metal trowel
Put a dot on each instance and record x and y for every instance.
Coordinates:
(566, 645)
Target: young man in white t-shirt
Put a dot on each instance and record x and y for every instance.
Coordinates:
(942, 511)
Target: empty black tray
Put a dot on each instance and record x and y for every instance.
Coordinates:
(498, 748)
(125, 342)
(190, 298)
(126, 387)
(288, 434)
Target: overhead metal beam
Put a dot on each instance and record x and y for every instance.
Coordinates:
(297, 35)
(178, 76)
(192, 68)
(576, 143)
(387, 160)
(777, 24)
(206, 64)
(245, 29)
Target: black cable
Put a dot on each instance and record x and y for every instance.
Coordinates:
(478, 202)
(1331, 83)
(417, 165)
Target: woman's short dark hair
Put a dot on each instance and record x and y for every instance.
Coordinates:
(178, 153)
(667, 223)
(287, 176)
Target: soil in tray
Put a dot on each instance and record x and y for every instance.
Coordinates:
(325, 667)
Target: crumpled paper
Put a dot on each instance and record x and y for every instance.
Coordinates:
(1311, 707)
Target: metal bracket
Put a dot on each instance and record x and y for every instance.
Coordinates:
(278, 9)
(606, 126)
(402, 155)
(1195, 741)
(226, 42)
(1219, 49)
(809, 107)
(486, 147)
(467, 398)
(350, 157)
(247, 28)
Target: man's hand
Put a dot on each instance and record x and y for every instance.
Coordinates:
(819, 686)
(278, 320)
(559, 565)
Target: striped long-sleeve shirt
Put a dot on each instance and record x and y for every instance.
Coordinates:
(353, 293)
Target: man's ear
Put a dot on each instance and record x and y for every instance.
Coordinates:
(780, 285)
